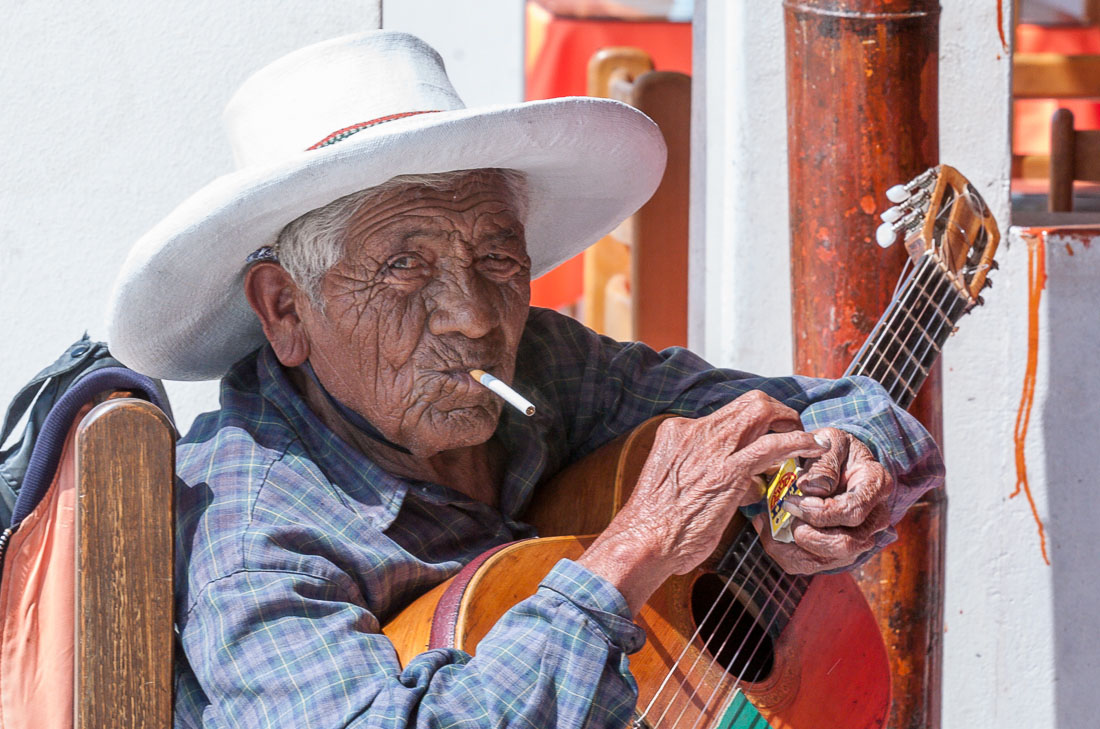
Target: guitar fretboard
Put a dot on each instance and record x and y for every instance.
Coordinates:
(908, 338)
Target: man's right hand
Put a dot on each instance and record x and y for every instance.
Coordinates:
(696, 476)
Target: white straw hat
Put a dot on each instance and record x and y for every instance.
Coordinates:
(338, 117)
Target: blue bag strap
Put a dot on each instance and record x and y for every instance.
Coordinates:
(55, 428)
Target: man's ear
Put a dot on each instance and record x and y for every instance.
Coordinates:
(272, 295)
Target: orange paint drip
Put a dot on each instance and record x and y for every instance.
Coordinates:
(1001, 23)
(1036, 282)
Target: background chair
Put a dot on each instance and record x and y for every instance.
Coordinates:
(1074, 155)
(636, 278)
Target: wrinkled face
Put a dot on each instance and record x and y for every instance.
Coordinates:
(433, 283)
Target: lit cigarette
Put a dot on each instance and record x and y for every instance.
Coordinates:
(519, 402)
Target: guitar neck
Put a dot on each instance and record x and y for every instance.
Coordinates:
(907, 340)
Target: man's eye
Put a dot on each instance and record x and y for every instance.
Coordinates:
(500, 263)
(404, 263)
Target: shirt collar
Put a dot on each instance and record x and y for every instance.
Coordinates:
(524, 440)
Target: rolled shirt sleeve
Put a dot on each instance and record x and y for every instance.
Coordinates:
(609, 387)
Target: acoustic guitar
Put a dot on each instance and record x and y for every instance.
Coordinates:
(738, 643)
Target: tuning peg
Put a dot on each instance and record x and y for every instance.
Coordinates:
(988, 284)
(901, 193)
(891, 215)
(993, 265)
(897, 194)
(886, 235)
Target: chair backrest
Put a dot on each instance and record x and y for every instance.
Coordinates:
(125, 539)
(1055, 76)
(1051, 76)
(1074, 155)
(658, 252)
(87, 590)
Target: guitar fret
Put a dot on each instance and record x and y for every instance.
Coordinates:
(927, 305)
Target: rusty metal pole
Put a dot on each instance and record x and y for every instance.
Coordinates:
(862, 108)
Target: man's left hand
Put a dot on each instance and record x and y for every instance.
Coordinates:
(845, 503)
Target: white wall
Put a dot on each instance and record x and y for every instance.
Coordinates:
(480, 40)
(1023, 639)
(112, 118)
(739, 228)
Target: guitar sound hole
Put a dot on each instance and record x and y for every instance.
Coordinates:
(731, 632)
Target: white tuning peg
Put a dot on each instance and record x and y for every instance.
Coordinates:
(886, 235)
(892, 214)
(897, 194)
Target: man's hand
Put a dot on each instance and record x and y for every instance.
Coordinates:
(696, 476)
(845, 504)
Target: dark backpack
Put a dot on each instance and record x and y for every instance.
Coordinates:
(53, 397)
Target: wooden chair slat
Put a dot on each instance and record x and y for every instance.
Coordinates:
(1055, 76)
(659, 264)
(124, 559)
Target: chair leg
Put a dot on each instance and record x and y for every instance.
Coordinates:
(1061, 161)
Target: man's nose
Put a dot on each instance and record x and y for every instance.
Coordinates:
(463, 306)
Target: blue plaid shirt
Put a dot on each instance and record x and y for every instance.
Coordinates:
(294, 549)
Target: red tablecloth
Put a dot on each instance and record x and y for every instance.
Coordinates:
(558, 49)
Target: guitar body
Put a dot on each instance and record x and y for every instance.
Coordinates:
(827, 667)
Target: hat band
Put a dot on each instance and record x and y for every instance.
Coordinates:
(341, 134)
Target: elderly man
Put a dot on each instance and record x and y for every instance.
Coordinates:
(378, 244)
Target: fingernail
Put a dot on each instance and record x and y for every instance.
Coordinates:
(791, 508)
(821, 440)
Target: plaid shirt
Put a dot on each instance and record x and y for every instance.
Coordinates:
(294, 549)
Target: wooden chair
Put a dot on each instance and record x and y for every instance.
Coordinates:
(1074, 155)
(649, 269)
(1051, 76)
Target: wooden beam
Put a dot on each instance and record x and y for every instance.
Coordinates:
(124, 562)
(1055, 76)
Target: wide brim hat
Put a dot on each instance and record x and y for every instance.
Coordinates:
(345, 115)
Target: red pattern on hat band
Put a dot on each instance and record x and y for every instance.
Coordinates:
(342, 134)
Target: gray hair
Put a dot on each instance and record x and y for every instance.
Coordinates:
(311, 245)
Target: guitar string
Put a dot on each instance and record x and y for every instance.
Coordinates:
(777, 580)
(884, 370)
(691, 640)
(946, 317)
(914, 357)
(945, 321)
(679, 689)
(729, 666)
(866, 365)
(906, 309)
(952, 312)
(748, 662)
(872, 365)
(901, 308)
(756, 647)
(917, 321)
(688, 674)
(779, 607)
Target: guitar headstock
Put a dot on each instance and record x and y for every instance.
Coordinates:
(941, 214)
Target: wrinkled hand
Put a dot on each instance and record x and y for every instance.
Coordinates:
(845, 503)
(696, 476)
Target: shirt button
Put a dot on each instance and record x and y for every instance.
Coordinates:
(79, 351)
